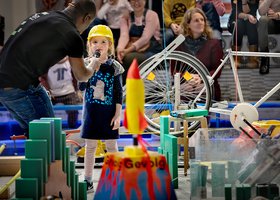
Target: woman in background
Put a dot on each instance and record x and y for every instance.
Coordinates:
(199, 43)
(140, 35)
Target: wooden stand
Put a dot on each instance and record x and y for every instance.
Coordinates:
(185, 139)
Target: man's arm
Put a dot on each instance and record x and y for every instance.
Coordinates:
(81, 72)
(264, 5)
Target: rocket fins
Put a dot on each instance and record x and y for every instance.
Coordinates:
(142, 122)
(125, 124)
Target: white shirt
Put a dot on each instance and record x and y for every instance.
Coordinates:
(113, 13)
(60, 79)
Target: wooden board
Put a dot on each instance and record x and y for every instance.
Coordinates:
(9, 165)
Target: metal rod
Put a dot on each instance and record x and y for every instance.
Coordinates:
(258, 54)
(249, 124)
(236, 78)
(248, 135)
(268, 94)
(135, 140)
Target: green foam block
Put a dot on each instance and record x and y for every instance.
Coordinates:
(57, 136)
(67, 161)
(33, 168)
(228, 192)
(27, 188)
(170, 146)
(42, 130)
(72, 179)
(38, 149)
(189, 113)
(82, 190)
(164, 129)
(218, 179)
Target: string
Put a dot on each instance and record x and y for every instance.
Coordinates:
(236, 58)
(165, 59)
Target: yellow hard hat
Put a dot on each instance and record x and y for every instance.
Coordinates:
(101, 30)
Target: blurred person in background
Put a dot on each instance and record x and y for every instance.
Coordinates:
(111, 12)
(173, 12)
(50, 5)
(140, 35)
(246, 25)
(213, 9)
(269, 23)
(63, 89)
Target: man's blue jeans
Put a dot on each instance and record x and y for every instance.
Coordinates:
(26, 105)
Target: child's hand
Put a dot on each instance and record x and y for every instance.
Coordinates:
(115, 122)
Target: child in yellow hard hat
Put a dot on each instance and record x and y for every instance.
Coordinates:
(102, 99)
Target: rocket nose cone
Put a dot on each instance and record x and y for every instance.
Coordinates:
(133, 71)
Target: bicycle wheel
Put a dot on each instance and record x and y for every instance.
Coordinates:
(160, 91)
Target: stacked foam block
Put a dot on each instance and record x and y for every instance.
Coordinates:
(168, 148)
(47, 169)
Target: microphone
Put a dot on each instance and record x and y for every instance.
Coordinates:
(111, 57)
(97, 54)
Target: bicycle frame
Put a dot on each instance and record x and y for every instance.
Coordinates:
(164, 53)
(203, 95)
(230, 56)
